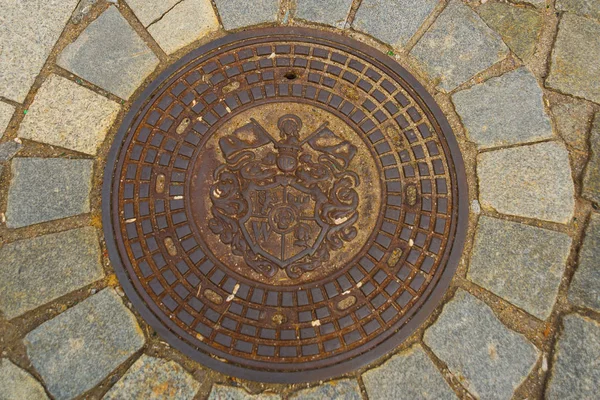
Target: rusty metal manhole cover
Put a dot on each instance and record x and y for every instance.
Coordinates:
(285, 205)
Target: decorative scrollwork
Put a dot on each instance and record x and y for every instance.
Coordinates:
(284, 211)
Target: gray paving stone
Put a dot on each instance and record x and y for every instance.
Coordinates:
(457, 46)
(346, 389)
(575, 373)
(28, 31)
(9, 149)
(151, 378)
(76, 350)
(35, 271)
(109, 54)
(574, 67)
(585, 286)
(406, 376)
(187, 22)
(67, 115)
(583, 7)
(6, 113)
(571, 119)
(239, 13)
(333, 12)
(530, 181)
(490, 360)
(505, 110)
(591, 178)
(148, 11)
(519, 27)
(392, 21)
(222, 392)
(18, 384)
(520, 263)
(45, 189)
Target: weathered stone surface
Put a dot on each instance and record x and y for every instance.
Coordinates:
(585, 286)
(530, 181)
(67, 115)
(406, 376)
(491, 360)
(520, 263)
(36, 271)
(76, 350)
(574, 67)
(45, 189)
(222, 392)
(346, 389)
(17, 384)
(392, 21)
(591, 178)
(6, 113)
(457, 46)
(239, 13)
(332, 13)
(9, 149)
(148, 11)
(583, 7)
(571, 119)
(109, 54)
(505, 110)
(575, 372)
(187, 22)
(518, 26)
(151, 378)
(28, 31)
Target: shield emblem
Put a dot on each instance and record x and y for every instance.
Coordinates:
(282, 223)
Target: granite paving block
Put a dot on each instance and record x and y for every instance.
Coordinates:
(109, 54)
(9, 149)
(392, 21)
(78, 349)
(505, 110)
(574, 67)
(346, 389)
(148, 11)
(406, 376)
(591, 178)
(572, 120)
(520, 263)
(519, 27)
(490, 360)
(530, 181)
(240, 13)
(45, 189)
(333, 12)
(18, 384)
(589, 8)
(458, 46)
(67, 115)
(28, 31)
(151, 378)
(575, 374)
(35, 271)
(222, 392)
(187, 22)
(6, 113)
(585, 286)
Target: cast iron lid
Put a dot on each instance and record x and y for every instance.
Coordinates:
(285, 204)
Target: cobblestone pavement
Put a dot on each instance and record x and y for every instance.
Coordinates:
(519, 83)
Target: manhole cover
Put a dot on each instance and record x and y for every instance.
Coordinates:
(285, 205)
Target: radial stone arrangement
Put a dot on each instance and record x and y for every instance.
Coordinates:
(285, 204)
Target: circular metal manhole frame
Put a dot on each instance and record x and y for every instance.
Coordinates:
(427, 303)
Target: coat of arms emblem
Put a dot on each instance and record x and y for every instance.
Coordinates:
(289, 207)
